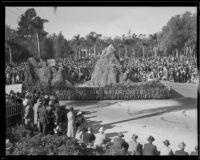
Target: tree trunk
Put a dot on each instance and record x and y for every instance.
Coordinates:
(143, 54)
(119, 52)
(10, 52)
(95, 51)
(38, 45)
(126, 51)
(155, 51)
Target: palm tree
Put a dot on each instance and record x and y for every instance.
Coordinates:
(37, 25)
(77, 44)
(93, 38)
(154, 41)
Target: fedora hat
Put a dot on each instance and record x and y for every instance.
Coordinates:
(39, 101)
(79, 113)
(52, 98)
(121, 134)
(150, 139)
(181, 145)
(101, 129)
(166, 142)
(134, 136)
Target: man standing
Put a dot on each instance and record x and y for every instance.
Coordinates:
(149, 148)
(29, 116)
(43, 119)
(36, 112)
(70, 126)
(166, 150)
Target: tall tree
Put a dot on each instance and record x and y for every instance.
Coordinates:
(32, 26)
(93, 38)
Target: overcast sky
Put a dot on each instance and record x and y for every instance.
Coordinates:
(108, 21)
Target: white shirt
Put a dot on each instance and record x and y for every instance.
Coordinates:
(165, 150)
(100, 138)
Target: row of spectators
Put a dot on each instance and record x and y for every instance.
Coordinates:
(80, 70)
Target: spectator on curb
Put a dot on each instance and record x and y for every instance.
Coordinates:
(149, 148)
(166, 150)
(181, 151)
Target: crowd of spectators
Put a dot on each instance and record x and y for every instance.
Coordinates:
(162, 68)
(14, 74)
(80, 70)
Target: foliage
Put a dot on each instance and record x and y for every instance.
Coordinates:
(180, 30)
(179, 34)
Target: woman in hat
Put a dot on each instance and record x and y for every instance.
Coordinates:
(181, 151)
(149, 148)
(166, 150)
(135, 148)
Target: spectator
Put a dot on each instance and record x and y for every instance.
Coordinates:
(36, 112)
(79, 135)
(29, 117)
(195, 153)
(181, 151)
(100, 138)
(135, 148)
(149, 148)
(43, 120)
(118, 141)
(166, 150)
(70, 126)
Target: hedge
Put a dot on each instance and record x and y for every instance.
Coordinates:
(134, 91)
(150, 90)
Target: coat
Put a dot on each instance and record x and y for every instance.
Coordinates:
(43, 115)
(36, 112)
(166, 151)
(29, 117)
(181, 153)
(70, 126)
(150, 149)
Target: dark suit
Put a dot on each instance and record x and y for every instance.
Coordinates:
(43, 120)
(150, 149)
(181, 152)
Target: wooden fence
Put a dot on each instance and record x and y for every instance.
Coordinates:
(13, 114)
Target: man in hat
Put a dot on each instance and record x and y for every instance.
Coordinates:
(166, 150)
(135, 148)
(149, 148)
(118, 141)
(36, 112)
(100, 137)
(181, 152)
(50, 117)
(29, 117)
(195, 153)
(43, 120)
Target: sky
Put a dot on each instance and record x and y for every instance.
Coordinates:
(108, 21)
